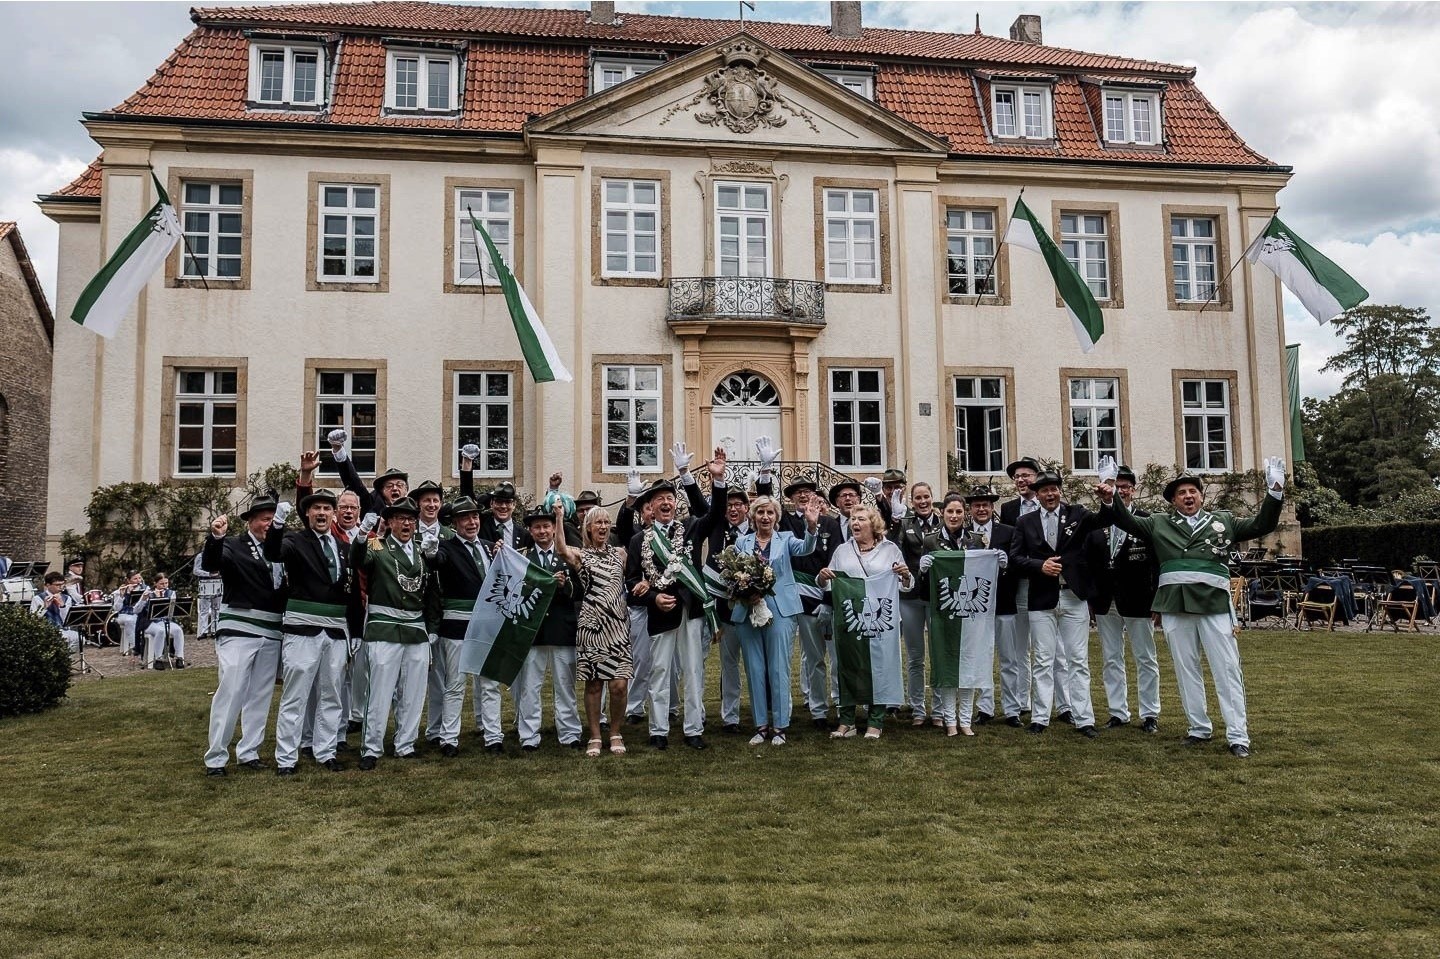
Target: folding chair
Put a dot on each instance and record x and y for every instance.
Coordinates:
(1267, 598)
(1317, 605)
(1255, 554)
(1402, 605)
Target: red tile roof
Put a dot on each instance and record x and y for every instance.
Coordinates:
(86, 186)
(525, 62)
(10, 231)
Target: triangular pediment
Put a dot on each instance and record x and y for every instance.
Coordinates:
(738, 92)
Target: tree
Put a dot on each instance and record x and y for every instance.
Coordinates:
(1378, 438)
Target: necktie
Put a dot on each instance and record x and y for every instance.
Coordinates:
(1051, 524)
(475, 552)
(330, 558)
(984, 538)
(1117, 536)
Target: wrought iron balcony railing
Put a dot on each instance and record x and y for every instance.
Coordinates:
(746, 298)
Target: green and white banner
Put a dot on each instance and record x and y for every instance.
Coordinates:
(535, 343)
(1026, 232)
(964, 586)
(111, 292)
(1324, 288)
(508, 612)
(679, 567)
(867, 639)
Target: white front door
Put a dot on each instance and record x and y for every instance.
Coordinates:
(745, 407)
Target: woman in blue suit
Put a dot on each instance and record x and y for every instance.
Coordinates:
(767, 648)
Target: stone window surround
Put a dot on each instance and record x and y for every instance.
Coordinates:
(1231, 376)
(454, 184)
(170, 365)
(313, 367)
(825, 365)
(1000, 206)
(175, 180)
(1068, 373)
(312, 232)
(668, 412)
(1222, 302)
(597, 226)
(516, 370)
(743, 171)
(882, 190)
(1111, 212)
(1005, 373)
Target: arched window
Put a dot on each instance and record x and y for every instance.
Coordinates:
(745, 388)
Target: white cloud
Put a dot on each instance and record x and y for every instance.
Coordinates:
(23, 175)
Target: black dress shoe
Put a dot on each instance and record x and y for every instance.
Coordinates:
(254, 764)
(1150, 725)
(496, 749)
(1088, 732)
(354, 726)
(284, 770)
(1196, 740)
(334, 765)
(1013, 721)
(695, 742)
(529, 750)
(1066, 717)
(449, 750)
(821, 723)
(1240, 750)
(731, 729)
(1038, 728)
(434, 741)
(1114, 722)
(634, 719)
(367, 763)
(983, 718)
(576, 745)
(412, 754)
(179, 663)
(660, 742)
(215, 771)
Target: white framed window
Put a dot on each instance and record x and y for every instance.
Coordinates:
(970, 251)
(742, 229)
(423, 81)
(1021, 111)
(286, 75)
(852, 236)
(631, 213)
(484, 415)
(349, 220)
(980, 423)
(213, 219)
(1132, 117)
(633, 405)
(1205, 411)
(205, 422)
(1193, 257)
(1085, 241)
(612, 71)
(1094, 421)
(348, 400)
(857, 417)
(861, 82)
(495, 209)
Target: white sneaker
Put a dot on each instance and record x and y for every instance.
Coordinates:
(778, 739)
(758, 739)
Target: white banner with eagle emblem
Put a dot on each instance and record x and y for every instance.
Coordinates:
(512, 602)
(963, 590)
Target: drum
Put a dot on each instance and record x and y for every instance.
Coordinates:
(17, 589)
(211, 588)
(93, 596)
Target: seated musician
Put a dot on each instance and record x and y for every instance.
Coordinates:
(125, 600)
(158, 631)
(53, 603)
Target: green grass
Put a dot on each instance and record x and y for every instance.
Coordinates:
(1324, 843)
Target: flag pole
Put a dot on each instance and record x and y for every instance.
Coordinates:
(1211, 298)
(184, 240)
(991, 271)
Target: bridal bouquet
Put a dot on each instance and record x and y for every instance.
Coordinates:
(748, 579)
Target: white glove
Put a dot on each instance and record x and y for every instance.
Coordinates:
(367, 525)
(337, 440)
(874, 486)
(926, 562)
(1108, 470)
(897, 504)
(429, 544)
(1274, 472)
(767, 452)
(634, 485)
(471, 452)
(1004, 558)
(682, 457)
(282, 513)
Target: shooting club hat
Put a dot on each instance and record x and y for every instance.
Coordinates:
(503, 493)
(737, 492)
(798, 485)
(659, 486)
(834, 491)
(462, 506)
(1182, 480)
(318, 496)
(259, 505)
(1046, 478)
(429, 486)
(1125, 473)
(982, 492)
(402, 505)
(587, 497)
(538, 515)
(1024, 462)
(893, 476)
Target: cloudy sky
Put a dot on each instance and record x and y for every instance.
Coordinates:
(1343, 92)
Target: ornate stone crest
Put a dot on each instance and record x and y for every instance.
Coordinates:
(740, 95)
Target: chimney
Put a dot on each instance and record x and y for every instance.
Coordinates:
(845, 19)
(1026, 29)
(602, 12)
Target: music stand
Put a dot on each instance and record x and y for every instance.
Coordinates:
(86, 619)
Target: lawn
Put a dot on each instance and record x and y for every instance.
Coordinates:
(1324, 843)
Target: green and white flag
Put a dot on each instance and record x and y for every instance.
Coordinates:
(508, 612)
(679, 568)
(535, 343)
(110, 294)
(964, 585)
(867, 639)
(806, 586)
(1025, 231)
(1324, 288)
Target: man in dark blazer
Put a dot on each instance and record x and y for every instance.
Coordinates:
(818, 684)
(908, 528)
(461, 563)
(502, 525)
(554, 646)
(1123, 579)
(316, 645)
(983, 531)
(1049, 549)
(1022, 473)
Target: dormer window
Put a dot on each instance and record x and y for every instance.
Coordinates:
(422, 81)
(1022, 111)
(856, 81)
(1132, 116)
(609, 71)
(287, 74)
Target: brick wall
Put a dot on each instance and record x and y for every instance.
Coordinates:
(25, 358)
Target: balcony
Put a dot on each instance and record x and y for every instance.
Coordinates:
(746, 299)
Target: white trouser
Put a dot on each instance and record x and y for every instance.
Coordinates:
(640, 659)
(155, 641)
(72, 639)
(1065, 628)
(434, 691)
(1012, 647)
(397, 674)
(1187, 633)
(686, 644)
(246, 683)
(359, 682)
(1061, 694)
(955, 707)
(444, 714)
(560, 661)
(729, 674)
(207, 615)
(126, 621)
(1112, 628)
(486, 695)
(308, 661)
(913, 615)
(814, 647)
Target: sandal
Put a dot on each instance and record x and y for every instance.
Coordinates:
(967, 730)
(919, 721)
(952, 730)
(843, 732)
(592, 748)
(617, 745)
(873, 732)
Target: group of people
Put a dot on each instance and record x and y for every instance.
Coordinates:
(363, 608)
(143, 616)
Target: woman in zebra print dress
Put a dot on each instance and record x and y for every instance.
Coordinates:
(602, 634)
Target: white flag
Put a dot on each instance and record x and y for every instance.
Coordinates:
(1324, 288)
(105, 300)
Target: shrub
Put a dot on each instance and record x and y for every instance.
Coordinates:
(34, 662)
(1392, 545)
